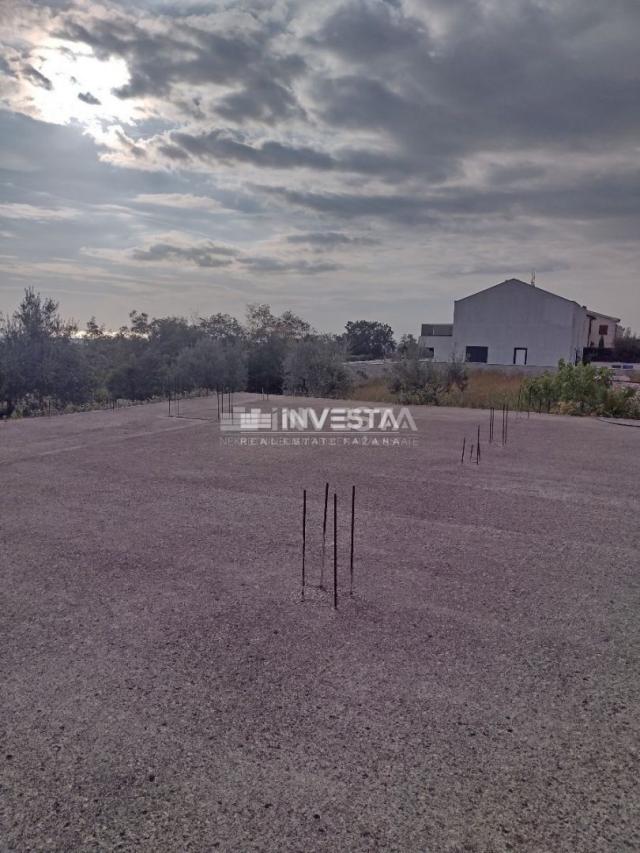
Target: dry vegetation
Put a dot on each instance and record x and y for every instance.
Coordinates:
(484, 389)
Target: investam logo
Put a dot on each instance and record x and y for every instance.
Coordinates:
(332, 426)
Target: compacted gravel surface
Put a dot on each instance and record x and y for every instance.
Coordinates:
(163, 688)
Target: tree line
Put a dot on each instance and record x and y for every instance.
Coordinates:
(46, 362)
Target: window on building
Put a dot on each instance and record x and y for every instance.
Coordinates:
(603, 330)
(477, 354)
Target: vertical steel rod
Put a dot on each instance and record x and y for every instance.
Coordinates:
(324, 533)
(353, 522)
(335, 551)
(304, 537)
(464, 444)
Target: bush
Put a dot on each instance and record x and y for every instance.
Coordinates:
(422, 382)
(581, 389)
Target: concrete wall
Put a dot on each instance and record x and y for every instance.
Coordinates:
(442, 346)
(368, 369)
(516, 314)
(361, 370)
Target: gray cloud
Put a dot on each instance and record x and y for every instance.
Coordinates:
(182, 53)
(612, 195)
(468, 133)
(265, 101)
(88, 98)
(330, 239)
(34, 76)
(406, 209)
(220, 146)
(208, 255)
(229, 148)
(499, 79)
(299, 265)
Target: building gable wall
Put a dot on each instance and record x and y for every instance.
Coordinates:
(517, 315)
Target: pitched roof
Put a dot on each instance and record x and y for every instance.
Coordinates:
(517, 281)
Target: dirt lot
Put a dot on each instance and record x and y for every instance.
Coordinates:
(164, 689)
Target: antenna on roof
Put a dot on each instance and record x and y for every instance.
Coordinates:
(533, 278)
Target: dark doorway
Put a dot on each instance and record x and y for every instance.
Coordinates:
(477, 354)
(520, 355)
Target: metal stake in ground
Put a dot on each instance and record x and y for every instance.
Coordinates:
(324, 533)
(353, 524)
(464, 444)
(335, 551)
(478, 448)
(304, 537)
(506, 425)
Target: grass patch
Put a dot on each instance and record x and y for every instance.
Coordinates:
(485, 388)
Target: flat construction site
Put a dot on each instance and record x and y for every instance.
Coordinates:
(163, 687)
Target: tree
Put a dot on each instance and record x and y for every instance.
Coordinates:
(369, 339)
(222, 327)
(93, 331)
(270, 338)
(408, 347)
(316, 366)
(627, 347)
(41, 360)
(266, 365)
(212, 364)
(262, 324)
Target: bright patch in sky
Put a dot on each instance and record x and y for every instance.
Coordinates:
(75, 73)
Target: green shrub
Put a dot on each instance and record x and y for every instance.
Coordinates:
(581, 389)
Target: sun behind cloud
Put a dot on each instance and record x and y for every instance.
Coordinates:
(81, 86)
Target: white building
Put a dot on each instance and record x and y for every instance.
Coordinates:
(518, 323)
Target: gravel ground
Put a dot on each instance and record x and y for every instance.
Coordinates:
(164, 689)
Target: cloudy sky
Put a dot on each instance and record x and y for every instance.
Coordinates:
(349, 159)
